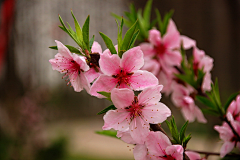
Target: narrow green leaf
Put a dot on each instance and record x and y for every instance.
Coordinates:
(106, 94)
(182, 131)
(85, 32)
(126, 22)
(169, 125)
(210, 111)
(147, 12)
(127, 38)
(186, 140)
(91, 42)
(108, 43)
(71, 49)
(108, 133)
(206, 102)
(230, 99)
(134, 38)
(78, 29)
(112, 107)
(175, 133)
(159, 20)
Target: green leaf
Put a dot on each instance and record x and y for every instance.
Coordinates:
(106, 94)
(127, 38)
(71, 49)
(108, 43)
(206, 102)
(230, 99)
(134, 38)
(85, 32)
(210, 111)
(182, 131)
(91, 42)
(147, 12)
(186, 140)
(78, 29)
(175, 133)
(112, 107)
(108, 133)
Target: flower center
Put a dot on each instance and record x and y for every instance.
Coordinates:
(72, 68)
(160, 49)
(135, 109)
(168, 157)
(122, 77)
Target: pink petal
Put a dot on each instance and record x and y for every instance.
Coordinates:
(142, 79)
(198, 54)
(122, 98)
(172, 58)
(150, 95)
(166, 81)
(226, 148)
(147, 49)
(109, 64)
(156, 143)
(154, 37)
(117, 119)
(96, 47)
(206, 84)
(126, 137)
(156, 113)
(172, 37)
(103, 83)
(63, 50)
(76, 82)
(187, 42)
(225, 132)
(139, 130)
(176, 151)
(151, 65)
(199, 115)
(188, 112)
(55, 63)
(84, 82)
(91, 74)
(132, 60)
(140, 152)
(81, 61)
(193, 155)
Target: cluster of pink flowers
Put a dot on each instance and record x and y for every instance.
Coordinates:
(230, 139)
(162, 57)
(135, 81)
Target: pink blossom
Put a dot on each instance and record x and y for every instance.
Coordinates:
(159, 147)
(181, 98)
(234, 109)
(134, 113)
(202, 61)
(194, 155)
(226, 134)
(123, 73)
(71, 65)
(164, 48)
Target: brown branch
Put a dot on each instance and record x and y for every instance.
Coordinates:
(213, 153)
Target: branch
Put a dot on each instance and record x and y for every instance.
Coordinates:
(213, 153)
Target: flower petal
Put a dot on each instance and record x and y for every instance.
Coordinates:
(139, 130)
(63, 50)
(103, 83)
(156, 143)
(154, 37)
(126, 137)
(122, 98)
(172, 37)
(109, 64)
(147, 49)
(142, 79)
(156, 113)
(176, 151)
(150, 95)
(91, 74)
(140, 152)
(96, 47)
(193, 155)
(187, 42)
(132, 60)
(226, 148)
(117, 119)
